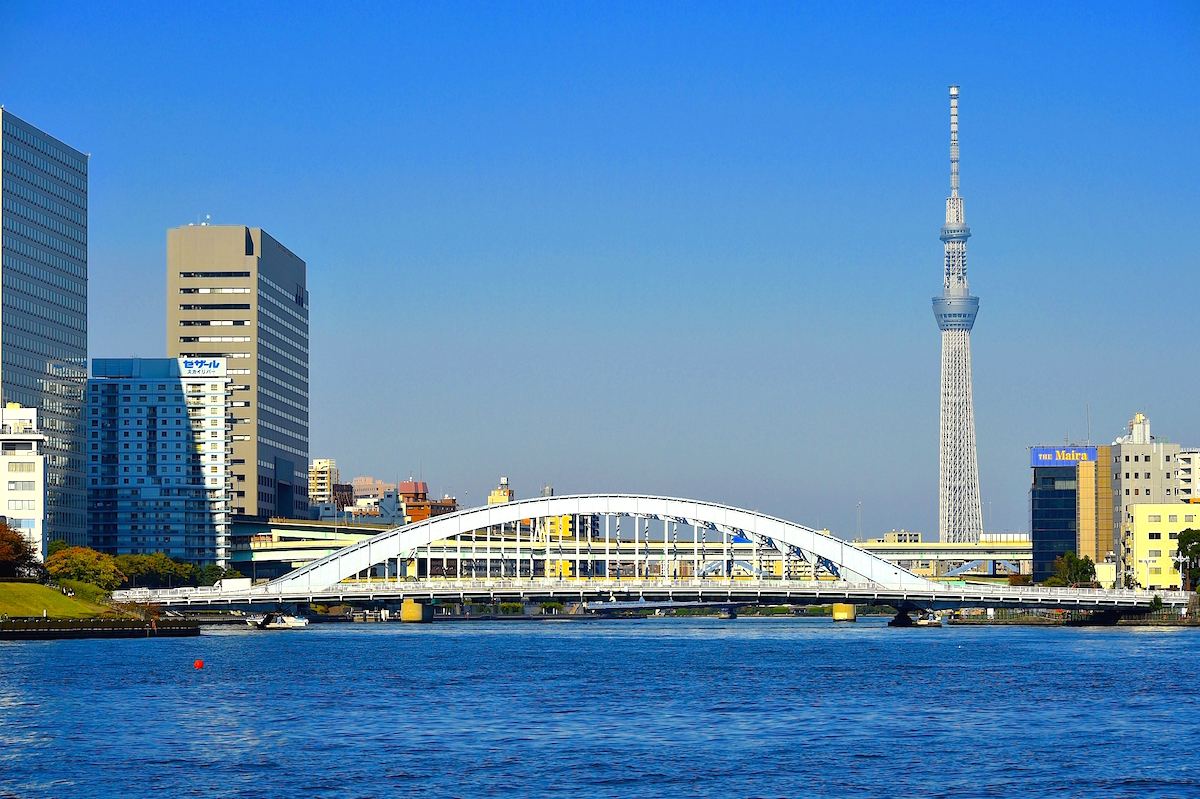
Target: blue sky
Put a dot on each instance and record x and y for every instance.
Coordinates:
(671, 248)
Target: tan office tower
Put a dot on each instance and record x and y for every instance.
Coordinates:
(234, 292)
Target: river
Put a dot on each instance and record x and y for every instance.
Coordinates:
(660, 707)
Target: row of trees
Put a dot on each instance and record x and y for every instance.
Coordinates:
(17, 559)
(135, 571)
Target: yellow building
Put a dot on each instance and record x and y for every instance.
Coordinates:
(1094, 507)
(322, 477)
(501, 494)
(1150, 536)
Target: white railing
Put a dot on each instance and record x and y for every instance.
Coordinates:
(573, 585)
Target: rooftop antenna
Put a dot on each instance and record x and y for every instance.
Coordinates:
(1088, 411)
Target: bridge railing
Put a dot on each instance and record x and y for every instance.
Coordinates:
(599, 585)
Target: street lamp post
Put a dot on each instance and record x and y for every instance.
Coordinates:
(1145, 562)
(1180, 561)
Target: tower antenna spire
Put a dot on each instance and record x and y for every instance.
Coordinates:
(953, 141)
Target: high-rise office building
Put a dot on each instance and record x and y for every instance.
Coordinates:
(43, 327)
(960, 514)
(234, 292)
(158, 458)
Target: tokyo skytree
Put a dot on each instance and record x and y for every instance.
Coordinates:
(960, 516)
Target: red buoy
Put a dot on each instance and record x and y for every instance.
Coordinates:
(199, 664)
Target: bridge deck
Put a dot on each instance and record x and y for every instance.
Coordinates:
(734, 592)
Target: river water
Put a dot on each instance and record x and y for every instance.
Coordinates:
(660, 707)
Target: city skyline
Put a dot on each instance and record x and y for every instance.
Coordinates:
(671, 244)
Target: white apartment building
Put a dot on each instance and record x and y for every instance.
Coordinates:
(23, 469)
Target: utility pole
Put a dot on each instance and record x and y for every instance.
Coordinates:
(859, 538)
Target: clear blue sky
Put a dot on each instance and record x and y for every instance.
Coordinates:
(684, 249)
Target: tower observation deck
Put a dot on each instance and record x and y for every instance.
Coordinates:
(960, 516)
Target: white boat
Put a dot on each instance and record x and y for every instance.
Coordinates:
(277, 621)
(929, 620)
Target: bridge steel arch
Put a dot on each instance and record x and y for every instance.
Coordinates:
(847, 561)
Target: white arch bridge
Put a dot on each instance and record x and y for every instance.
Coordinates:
(599, 549)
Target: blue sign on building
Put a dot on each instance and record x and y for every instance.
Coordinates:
(1061, 456)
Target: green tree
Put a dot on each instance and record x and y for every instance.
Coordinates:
(1069, 569)
(85, 565)
(135, 568)
(213, 572)
(1189, 547)
(157, 570)
(55, 546)
(16, 553)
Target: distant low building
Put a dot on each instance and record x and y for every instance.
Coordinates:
(23, 464)
(370, 488)
(414, 494)
(501, 494)
(407, 504)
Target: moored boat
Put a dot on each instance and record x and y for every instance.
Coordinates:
(277, 621)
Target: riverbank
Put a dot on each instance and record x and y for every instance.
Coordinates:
(44, 629)
(33, 599)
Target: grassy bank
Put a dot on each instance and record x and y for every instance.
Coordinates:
(30, 599)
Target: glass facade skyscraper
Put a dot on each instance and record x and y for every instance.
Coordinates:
(158, 458)
(43, 290)
(1052, 514)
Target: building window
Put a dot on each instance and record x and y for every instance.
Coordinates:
(1155, 537)
(1127, 459)
(1154, 517)
(1173, 518)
